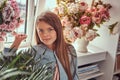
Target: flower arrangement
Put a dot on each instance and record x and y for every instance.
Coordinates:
(79, 19)
(9, 17)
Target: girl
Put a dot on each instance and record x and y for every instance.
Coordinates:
(49, 37)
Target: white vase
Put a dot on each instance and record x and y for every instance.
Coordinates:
(1, 45)
(80, 45)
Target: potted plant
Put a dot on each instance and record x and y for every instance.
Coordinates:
(21, 66)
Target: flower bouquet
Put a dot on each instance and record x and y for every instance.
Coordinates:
(9, 17)
(79, 19)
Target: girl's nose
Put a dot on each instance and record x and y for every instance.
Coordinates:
(46, 33)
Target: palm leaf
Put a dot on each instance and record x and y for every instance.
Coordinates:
(7, 73)
(21, 66)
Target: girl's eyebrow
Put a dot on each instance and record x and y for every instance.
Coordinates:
(47, 28)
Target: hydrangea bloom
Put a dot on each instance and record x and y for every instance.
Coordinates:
(9, 17)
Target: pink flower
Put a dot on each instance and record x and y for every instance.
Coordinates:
(80, 18)
(11, 20)
(104, 14)
(3, 34)
(2, 26)
(96, 18)
(1, 38)
(7, 13)
(85, 20)
(83, 6)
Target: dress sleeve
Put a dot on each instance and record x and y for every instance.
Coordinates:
(9, 52)
(73, 60)
(75, 75)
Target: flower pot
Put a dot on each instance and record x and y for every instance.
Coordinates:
(1, 45)
(81, 45)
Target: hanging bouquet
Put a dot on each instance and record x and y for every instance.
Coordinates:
(79, 20)
(9, 17)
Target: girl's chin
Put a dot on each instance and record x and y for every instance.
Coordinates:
(47, 43)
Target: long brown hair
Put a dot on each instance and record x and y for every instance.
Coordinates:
(60, 45)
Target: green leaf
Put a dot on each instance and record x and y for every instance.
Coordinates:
(12, 72)
(111, 27)
(14, 61)
(21, 66)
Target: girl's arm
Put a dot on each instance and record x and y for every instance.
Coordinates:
(18, 39)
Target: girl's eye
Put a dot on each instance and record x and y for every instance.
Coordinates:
(43, 31)
(40, 30)
(50, 29)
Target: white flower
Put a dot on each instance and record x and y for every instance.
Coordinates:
(90, 35)
(61, 9)
(69, 34)
(73, 8)
(78, 32)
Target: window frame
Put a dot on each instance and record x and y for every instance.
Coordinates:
(29, 24)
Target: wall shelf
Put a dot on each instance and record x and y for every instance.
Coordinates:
(94, 54)
(97, 74)
(117, 72)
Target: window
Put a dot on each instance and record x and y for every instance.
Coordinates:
(27, 14)
(23, 6)
(50, 4)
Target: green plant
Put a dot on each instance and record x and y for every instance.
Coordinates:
(21, 66)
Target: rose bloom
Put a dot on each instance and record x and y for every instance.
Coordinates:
(104, 14)
(97, 17)
(65, 22)
(83, 6)
(78, 32)
(85, 20)
(69, 34)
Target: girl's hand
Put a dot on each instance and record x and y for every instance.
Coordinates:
(18, 39)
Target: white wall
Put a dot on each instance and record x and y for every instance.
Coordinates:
(109, 42)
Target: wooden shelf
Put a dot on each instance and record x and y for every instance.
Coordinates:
(97, 74)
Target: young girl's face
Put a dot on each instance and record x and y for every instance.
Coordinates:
(46, 33)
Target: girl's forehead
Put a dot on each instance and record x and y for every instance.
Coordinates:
(43, 24)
